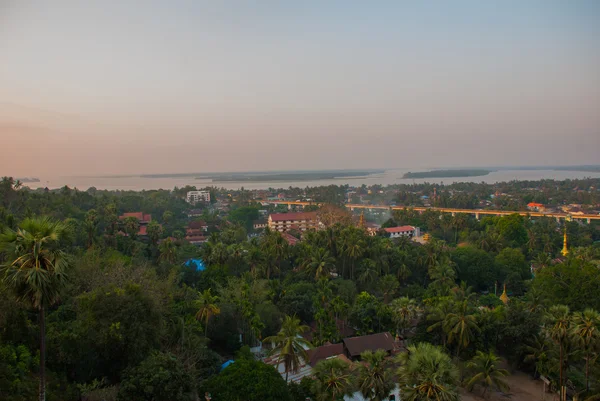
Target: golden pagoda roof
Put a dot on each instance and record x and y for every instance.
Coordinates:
(504, 298)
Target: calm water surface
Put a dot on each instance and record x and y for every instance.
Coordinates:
(388, 177)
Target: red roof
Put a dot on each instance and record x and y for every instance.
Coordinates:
(533, 204)
(138, 215)
(295, 216)
(291, 240)
(400, 229)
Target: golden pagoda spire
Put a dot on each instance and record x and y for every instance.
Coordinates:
(361, 221)
(565, 250)
(504, 297)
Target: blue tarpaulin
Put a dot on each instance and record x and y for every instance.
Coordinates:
(229, 362)
(197, 263)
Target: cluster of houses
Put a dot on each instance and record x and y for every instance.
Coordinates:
(349, 351)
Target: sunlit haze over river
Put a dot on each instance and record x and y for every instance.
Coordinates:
(389, 177)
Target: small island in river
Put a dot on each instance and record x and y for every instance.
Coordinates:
(446, 173)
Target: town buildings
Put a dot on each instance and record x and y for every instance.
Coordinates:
(536, 207)
(300, 221)
(194, 197)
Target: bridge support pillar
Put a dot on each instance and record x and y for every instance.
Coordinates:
(289, 206)
(453, 214)
(477, 216)
(589, 220)
(351, 209)
(557, 219)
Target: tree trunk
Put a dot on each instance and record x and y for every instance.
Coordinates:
(560, 383)
(587, 373)
(42, 317)
(286, 376)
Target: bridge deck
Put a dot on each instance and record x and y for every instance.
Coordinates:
(449, 210)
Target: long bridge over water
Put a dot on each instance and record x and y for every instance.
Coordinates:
(477, 212)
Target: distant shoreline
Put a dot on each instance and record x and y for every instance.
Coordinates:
(446, 174)
(312, 176)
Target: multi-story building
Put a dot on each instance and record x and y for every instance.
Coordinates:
(194, 197)
(403, 231)
(300, 221)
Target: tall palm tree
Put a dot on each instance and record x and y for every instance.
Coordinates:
(320, 263)
(485, 371)
(375, 379)
(404, 310)
(35, 269)
(586, 332)
(558, 326)
(461, 326)
(132, 226)
(443, 275)
(369, 271)
(168, 251)
(207, 307)
(537, 351)
(353, 249)
(90, 224)
(154, 231)
(388, 285)
(290, 345)
(426, 373)
(439, 316)
(332, 380)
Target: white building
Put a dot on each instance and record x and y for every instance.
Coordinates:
(403, 231)
(194, 197)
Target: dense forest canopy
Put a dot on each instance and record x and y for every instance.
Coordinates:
(113, 314)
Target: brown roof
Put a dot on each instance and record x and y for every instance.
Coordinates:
(197, 224)
(400, 229)
(373, 342)
(295, 216)
(291, 240)
(323, 352)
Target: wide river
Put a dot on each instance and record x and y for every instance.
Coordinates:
(388, 177)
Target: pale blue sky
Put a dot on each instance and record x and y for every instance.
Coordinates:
(130, 86)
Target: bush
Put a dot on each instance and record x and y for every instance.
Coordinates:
(160, 377)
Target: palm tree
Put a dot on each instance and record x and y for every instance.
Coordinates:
(538, 352)
(439, 315)
(461, 326)
(586, 331)
(132, 226)
(320, 263)
(290, 345)
(168, 251)
(332, 380)
(388, 285)
(375, 379)
(426, 373)
(485, 372)
(154, 232)
(354, 247)
(35, 269)
(207, 307)
(404, 310)
(369, 271)
(558, 326)
(90, 224)
(443, 275)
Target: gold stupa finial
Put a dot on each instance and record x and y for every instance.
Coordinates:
(361, 221)
(427, 237)
(565, 250)
(504, 297)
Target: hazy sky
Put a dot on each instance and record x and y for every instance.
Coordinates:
(95, 87)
